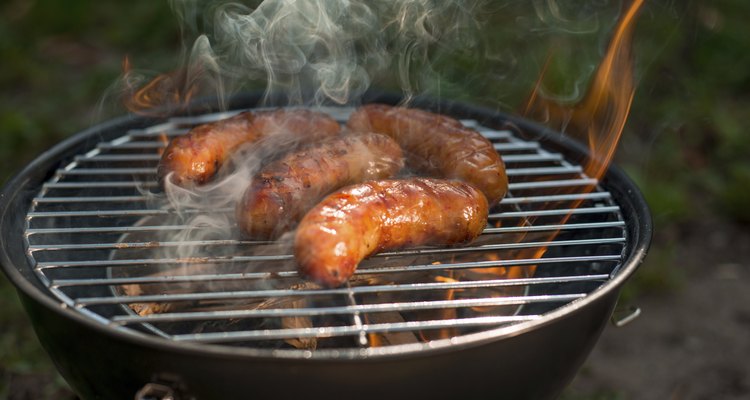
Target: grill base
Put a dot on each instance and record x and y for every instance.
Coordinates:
(491, 369)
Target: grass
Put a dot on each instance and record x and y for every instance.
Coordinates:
(685, 144)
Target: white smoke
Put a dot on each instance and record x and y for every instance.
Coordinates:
(312, 52)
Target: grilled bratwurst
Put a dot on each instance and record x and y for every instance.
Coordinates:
(437, 145)
(287, 188)
(197, 156)
(363, 219)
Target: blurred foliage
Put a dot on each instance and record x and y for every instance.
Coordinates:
(692, 152)
(60, 58)
(685, 144)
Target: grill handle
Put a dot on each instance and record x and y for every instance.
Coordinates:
(155, 391)
(625, 315)
(169, 388)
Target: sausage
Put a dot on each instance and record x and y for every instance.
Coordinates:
(285, 189)
(363, 219)
(437, 145)
(197, 156)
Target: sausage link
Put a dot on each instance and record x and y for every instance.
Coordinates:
(438, 145)
(363, 219)
(197, 156)
(287, 188)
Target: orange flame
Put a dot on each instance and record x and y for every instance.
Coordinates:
(600, 116)
(445, 314)
(160, 95)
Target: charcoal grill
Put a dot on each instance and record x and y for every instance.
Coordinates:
(512, 315)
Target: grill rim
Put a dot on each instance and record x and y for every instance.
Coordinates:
(19, 190)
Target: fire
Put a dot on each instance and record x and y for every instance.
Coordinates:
(159, 96)
(600, 116)
(445, 314)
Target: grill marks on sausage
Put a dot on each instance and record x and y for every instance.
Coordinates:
(285, 189)
(363, 219)
(196, 157)
(437, 145)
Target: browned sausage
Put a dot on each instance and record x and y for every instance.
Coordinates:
(438, 145)
(287, 188)
(363, 219)
(196, 156)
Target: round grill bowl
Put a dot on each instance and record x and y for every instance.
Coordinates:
(533, 359)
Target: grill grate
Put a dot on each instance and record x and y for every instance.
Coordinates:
(104, 247)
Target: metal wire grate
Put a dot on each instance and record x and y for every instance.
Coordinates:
(103, 245)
